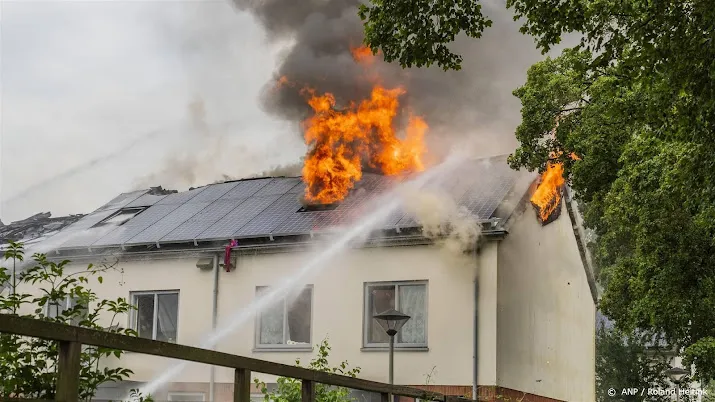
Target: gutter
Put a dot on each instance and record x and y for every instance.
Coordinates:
(475, 340)
(214, 319)
(277, 247)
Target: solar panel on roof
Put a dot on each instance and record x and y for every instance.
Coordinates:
(145, 201)
(182, 197)
(234, 220)
(304, 222)
(214, 192)
(163, 226)
(278, 186)
(79, 233)
(204, 219)
(135, 225)
(391, 221)
(479, 186)
(245, 188)
(269, 219)
(297, 189)
(122, 200)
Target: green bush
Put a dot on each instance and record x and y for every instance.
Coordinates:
(29, 365)
(289, 389)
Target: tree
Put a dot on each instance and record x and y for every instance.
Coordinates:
(418, 32)
(289, 389)
(623, 361)
(29, 364)
(634, 102)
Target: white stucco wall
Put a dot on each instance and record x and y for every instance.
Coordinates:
(546, 314)
(338, 300)
(338, 310)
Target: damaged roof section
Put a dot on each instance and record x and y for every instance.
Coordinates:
(268, 208)
(35, 228)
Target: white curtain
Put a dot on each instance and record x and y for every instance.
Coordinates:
(299, 317)
(144, 315)
(413, 302)
(271, 325)
(167, 313)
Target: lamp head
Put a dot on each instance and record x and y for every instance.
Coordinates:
(391, 321)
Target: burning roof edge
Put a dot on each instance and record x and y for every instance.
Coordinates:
(522, 204)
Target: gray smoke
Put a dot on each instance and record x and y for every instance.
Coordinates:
(474, 102)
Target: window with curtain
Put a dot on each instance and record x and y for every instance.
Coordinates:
(407, 297)
(156, 314)
(286, 323)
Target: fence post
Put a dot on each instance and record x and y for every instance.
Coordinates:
(68, 367)
(307, 391)
(242, 385)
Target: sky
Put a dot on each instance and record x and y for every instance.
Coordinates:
(100, 97)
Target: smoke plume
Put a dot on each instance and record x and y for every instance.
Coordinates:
(475, 101)
(453, 227)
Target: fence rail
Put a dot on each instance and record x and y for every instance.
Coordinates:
(71, 339)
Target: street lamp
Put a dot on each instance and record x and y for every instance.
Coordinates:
(676, 375)
(391, 321)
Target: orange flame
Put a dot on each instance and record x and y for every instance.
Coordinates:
(547, 196)
(343, 141)
(363, 54)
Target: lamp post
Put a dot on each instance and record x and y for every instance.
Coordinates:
(676, 375)
(391, 321)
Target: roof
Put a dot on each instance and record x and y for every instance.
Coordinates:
(35, 228)
(268, 208)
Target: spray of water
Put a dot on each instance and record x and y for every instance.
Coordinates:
(358, 233)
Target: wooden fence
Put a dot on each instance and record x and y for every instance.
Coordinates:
(72, 338)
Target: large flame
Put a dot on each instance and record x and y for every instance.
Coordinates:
(547, 196)
(343, 141)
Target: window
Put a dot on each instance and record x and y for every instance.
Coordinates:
(54, 309)
(187, 396)
(120, 217)
(286, 323)
(156, 314)
(407, 297)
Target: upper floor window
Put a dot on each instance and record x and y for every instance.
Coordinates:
(156, 314)
(287, 322)
(409, 297)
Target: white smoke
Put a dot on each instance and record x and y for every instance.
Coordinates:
(454, 228)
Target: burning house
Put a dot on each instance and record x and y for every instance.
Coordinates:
(510, 312)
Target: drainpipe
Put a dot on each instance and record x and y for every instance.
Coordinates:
(475, 340)
(214, 319)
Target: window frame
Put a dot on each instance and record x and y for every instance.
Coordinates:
(366, 344)
(70, 302)
(261, 347)
(122, 211)
(182, 393)
(133, 314)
